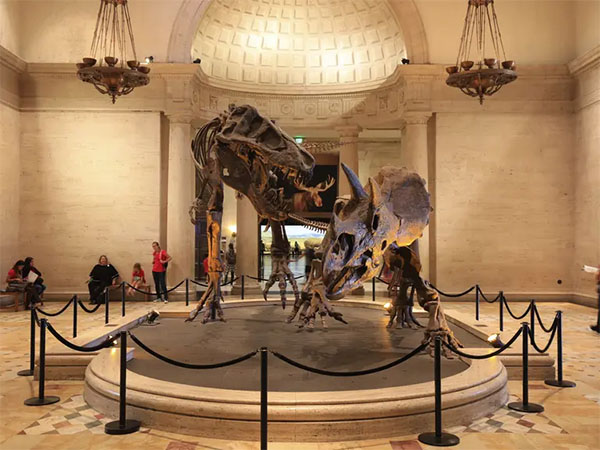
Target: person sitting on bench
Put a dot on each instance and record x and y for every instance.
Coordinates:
(102, 275)
(16, 283)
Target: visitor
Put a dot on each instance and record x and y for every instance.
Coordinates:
(296, 251)
(138, 278)
(36, 278)
(102, 276)
(309, 255)
(230, 260)
(16, 283)
(160, 261)
(596, 271)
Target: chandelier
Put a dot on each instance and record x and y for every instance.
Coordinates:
(487, 74)
(113, 34)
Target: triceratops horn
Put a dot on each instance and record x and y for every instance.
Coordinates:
(357, 190)
(375, 192)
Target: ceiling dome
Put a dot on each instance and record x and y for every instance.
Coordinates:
(298, 42)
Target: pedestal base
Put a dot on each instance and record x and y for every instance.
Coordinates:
(25, 373)
(130, 426)
(528, 408)
(443, 440)
(557, 383)
(251, 288)
(36, 401)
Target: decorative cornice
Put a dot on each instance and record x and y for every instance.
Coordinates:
(585, 62)
(11, 61)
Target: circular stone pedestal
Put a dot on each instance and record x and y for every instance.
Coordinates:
(225, 403)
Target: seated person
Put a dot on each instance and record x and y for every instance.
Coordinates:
(39, 281)
(138, 278)
(16, 283)
(102, 275)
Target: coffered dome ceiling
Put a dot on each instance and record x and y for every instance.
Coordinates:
(298, 42)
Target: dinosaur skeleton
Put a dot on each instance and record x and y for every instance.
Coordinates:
(252, 155)
(249, 153)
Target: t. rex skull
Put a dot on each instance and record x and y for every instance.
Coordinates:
(260, 160)
(364, 226)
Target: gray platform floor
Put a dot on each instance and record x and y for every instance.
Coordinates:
(362, 344)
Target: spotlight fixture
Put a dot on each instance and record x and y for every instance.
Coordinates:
(197, 61)
(405, 61)
(149, 59)
(387, 306)
(494, 340)
(299, 139)
(152, 317)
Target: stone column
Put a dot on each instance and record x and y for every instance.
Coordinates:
(348, 154)
(180, 195)
(414, 156)
(247, 253)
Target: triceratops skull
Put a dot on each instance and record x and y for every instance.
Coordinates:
(360, 231)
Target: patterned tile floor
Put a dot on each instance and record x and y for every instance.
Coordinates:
(571, 420)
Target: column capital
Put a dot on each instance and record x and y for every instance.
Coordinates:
(183, 117)
(348, 131)
(416, 118)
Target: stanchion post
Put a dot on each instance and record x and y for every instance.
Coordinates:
(501, 311)
(106, 302)
(263, 398)
(532, 319)
(476, 302)
(29, 372)
(42, 399)
(75, 316)
(123, 425)
(123, 299)
(525, 405)
(187, 292)
(438, 438)
(559, 382)
(243, 284)
(373, 284)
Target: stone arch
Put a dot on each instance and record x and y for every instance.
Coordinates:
(191, 11)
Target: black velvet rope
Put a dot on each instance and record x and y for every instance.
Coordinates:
(267, 279)
(486, 299)
(353, 373)
(488, 355)
(136, 289)
(58, 313)
(172, 289)
(452, 295)
(382, 280)
(553, 328)
(88, 310)
(187, 365)
(199, 283)
(531, 303)
(62, 340)
(35, 316)
(539, 319)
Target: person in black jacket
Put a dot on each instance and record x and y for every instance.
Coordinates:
(39, 281)
(102, 275)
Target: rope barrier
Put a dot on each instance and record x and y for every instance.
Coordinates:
(198, 283)
(486, 299)
(267, 279)
(88, 310)
(137, 290)
(553, 328)
(58, 313)
(291, 362)
(488, 355)
(188, 365)
(527, 311)
(539, 319)
(452, 295)
(383, 281)
(62, 340)
(35, 316)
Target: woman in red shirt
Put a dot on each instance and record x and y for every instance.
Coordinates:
(160, 260)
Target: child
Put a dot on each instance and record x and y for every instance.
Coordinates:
(138, 278)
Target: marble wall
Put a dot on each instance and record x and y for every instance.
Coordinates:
(10, 195)
(504, 202)
(90, 185)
